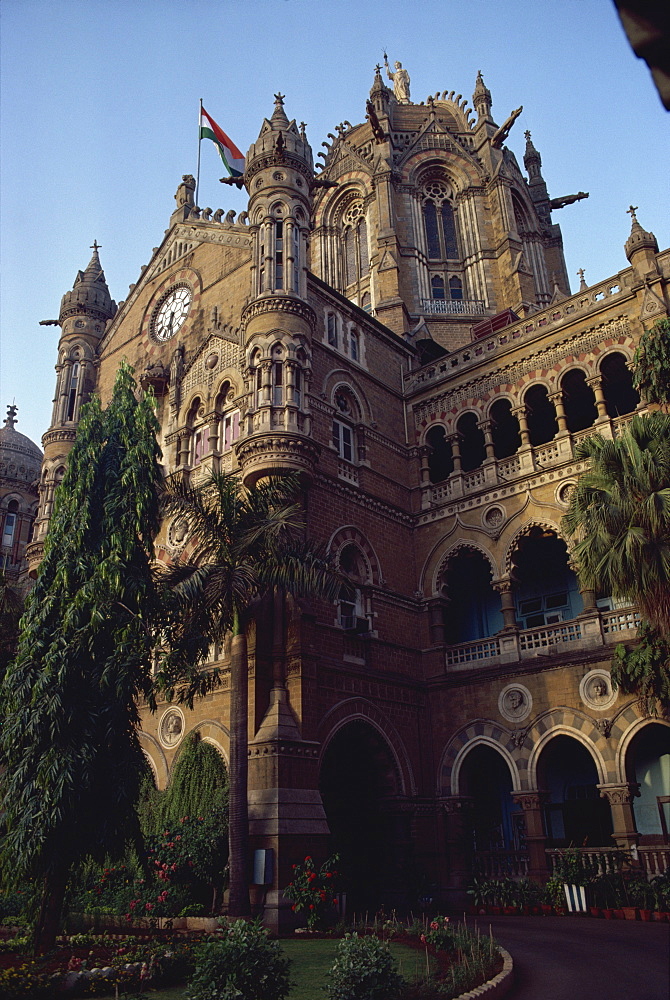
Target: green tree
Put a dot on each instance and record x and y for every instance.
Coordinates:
(69, 743)
(11, 609)
(652, 364)
(248, 543)
(619, 516)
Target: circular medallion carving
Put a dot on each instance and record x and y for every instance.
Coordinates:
(177, 532)
(171, 728)
(493, 516)
(596, 690)
(515, 702)
(211, 361)
(564, 492)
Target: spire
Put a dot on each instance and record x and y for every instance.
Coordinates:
(90, 294)
(639, 238)
(532, 159)
(11, 417)
(279, 119)
(482, 97)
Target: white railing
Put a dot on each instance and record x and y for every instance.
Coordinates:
(550, 635)
(498, 864)
(654, 860)
(454, 307)
(625, 620)
(469, 652)
(442, 492)
(347, 471)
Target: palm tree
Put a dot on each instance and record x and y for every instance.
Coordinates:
(620, 516)
(248, 542)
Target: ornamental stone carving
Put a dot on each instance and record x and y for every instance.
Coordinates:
(515, 702)
(620, 795)
(171, 728)
(596, 690)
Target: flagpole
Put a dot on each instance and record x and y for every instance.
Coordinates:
(197, 174)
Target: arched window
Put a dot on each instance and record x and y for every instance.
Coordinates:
(440, 460)
(542, 423)
(437, 286)
(545, 587)
(578, 400)
(355, 235)
(344, 440)
(200, 432)
(504, 429)
(354, 346)
(351, 606)
(617, 384)
(439, 222)
(10, 524)
(455, 288)
(472, 444)
(229, 423)
(473, 609)
(72, 391)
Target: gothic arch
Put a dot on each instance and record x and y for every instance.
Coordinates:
(157, 759)
(352, 186)
(444, 424)
(476, 733)
(524, 530)
(361, 709)
(340, 379)
(348, 534)
(530, 382)
(458, 170)
(505, 395)
(624, 349)
(458, 546)
(210, 732)
(634, 727)
(567, 722)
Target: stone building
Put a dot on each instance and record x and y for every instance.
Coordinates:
(397, 326)
(20, 466)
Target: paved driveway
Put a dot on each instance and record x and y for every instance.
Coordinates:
(581, 958)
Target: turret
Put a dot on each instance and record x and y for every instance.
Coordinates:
(536, 183)
(641, 248)
(84, 314)
(481, 99)
(278, 323)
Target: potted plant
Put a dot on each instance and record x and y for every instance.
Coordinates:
(660, 887)
(552, 896)
(574, 878)
(480, 890)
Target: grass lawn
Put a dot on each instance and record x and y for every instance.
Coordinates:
(310, 961)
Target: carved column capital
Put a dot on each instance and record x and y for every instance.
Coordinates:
(454, 805)
(619, 795)
(531, 800)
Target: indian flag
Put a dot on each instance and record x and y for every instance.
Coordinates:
(228, 151)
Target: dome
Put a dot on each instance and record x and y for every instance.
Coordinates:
(20, 458)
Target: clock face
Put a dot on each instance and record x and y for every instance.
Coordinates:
(171, 313)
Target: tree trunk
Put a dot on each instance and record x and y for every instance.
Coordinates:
(47, 924)
(238, 818)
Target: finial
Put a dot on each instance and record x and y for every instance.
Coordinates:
(378, 69)
(96, 246)
(631, 210)
(527, 135)
(303, 126)
(582, 282)
(279, 99)
(11, 416)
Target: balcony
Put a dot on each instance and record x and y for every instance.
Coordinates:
(583, 633)
(453, 307)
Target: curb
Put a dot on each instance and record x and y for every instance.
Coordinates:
(499, 986)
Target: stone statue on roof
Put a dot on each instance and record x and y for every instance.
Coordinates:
(400, 80)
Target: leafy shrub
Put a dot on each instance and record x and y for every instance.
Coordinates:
(364, 969)
(243, 965)
(438, 933)
(313, 889)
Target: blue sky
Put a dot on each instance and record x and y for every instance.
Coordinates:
(99, 108)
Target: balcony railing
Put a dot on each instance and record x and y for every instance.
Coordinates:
(606, 861)
(498, 864)
(454, 307)
(590, 631)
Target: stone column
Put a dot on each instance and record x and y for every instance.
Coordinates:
(589, 599)
(457, 811)
(596, 384)
(184, 447)
(455, 442)
(521, 415)
(557, 399)
(532, 802)
(424, 455)
(486, 426)
(213, 436)
(620, 798)
(505, 589)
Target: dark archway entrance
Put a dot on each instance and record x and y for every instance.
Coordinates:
(648, 764)
(497, 826)
(546, 589)
(473, 611)
(358, 785)
(575, 814)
